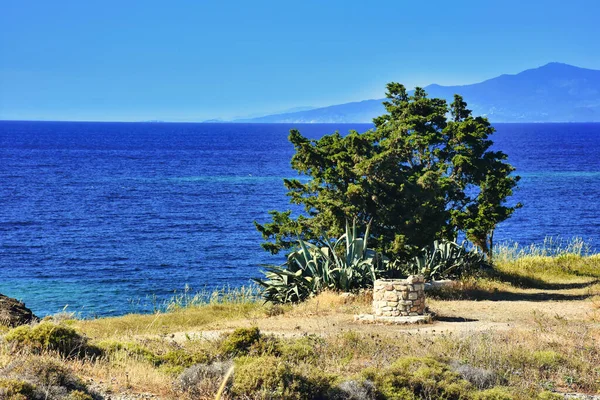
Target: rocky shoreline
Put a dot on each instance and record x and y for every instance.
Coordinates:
(14, 313)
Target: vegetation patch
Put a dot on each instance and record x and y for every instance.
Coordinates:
(415, 378)
(48, 336)
(41, 378)
(170, 358)
(16, 389)
(269, 377)
(240, 341)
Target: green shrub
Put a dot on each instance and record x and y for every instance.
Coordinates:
(79, 395)
(49, 336)
(546, 359)
(266, 346)
(416, 378)
(269, 377)
(301, 350)
(15, 389)
(496, 393)
(545, 395)
(240, 341)
(182, 358)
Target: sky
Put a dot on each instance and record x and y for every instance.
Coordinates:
(193, 60)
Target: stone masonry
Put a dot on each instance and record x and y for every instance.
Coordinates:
(398, 301)
(399, 297)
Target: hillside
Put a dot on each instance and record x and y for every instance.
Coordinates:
(554, 92)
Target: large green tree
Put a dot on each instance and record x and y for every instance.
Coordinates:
(425, 172)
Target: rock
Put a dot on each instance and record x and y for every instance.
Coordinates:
(14, 313)
(415, 279)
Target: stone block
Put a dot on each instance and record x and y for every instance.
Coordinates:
(413, 296)
(391, 296)
(415, 279)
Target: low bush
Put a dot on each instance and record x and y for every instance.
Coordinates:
(301, 350)
(269, 377)
(496, 393)
(79, 395)
(16, 389)
(419, 378)
(550, 396)
(48, 336)
(239, 341)
(182, 358)
(546, 359)
(41, 378)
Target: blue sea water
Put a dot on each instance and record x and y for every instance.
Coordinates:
(109, 218)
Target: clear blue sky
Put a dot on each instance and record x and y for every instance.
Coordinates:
(194, 60)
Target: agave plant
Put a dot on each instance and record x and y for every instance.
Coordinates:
(345, 264)
(441, 260)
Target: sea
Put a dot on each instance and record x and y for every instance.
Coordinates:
(104, 219)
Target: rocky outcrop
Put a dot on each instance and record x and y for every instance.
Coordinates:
(14, 313)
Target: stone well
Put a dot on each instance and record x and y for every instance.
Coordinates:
(399, 297)
(398, 301)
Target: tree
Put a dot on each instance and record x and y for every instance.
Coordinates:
(417, 176)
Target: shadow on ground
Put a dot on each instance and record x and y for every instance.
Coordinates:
(501, 295)
(442, 318)
(534, 283)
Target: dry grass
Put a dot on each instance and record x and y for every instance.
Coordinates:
(533, 325)
(165, 323)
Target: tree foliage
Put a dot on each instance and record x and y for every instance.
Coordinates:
(424, 173)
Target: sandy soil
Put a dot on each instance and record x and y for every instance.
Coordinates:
(515, 309)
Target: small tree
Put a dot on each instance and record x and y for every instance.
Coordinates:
(417, 176)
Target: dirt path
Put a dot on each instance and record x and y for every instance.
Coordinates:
(456, 317)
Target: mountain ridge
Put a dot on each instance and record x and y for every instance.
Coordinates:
(554, 92)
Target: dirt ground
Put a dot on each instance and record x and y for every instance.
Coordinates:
(501, 309)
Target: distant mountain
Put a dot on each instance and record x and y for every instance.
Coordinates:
(247, 118)
(349, 112)
(554, 92)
